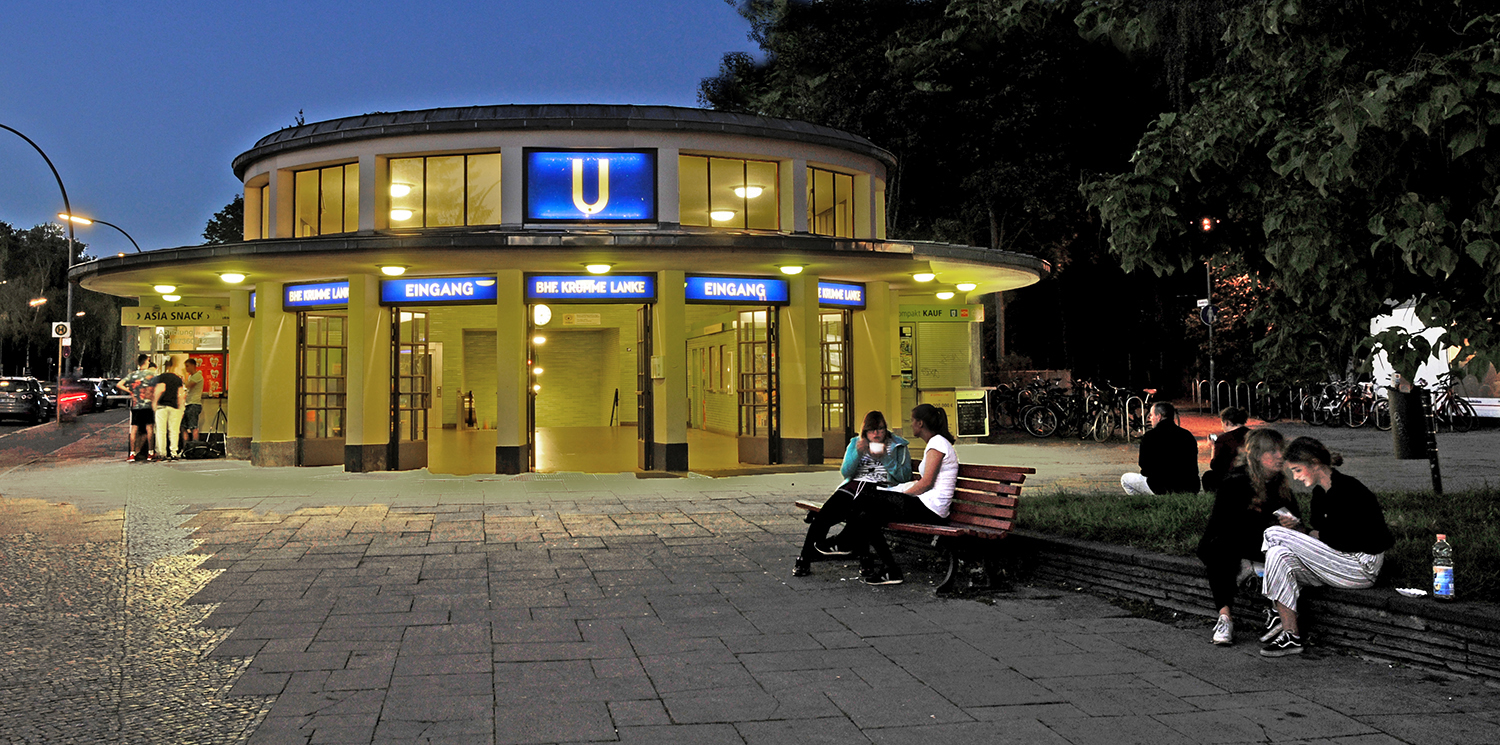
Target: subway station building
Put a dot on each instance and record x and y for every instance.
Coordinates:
(564, 288)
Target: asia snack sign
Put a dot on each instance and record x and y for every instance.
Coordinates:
(841, 295)
(590, 185)
(174, 316)
(588, 287)
(316, 295)
(736, 290)
(438, 291)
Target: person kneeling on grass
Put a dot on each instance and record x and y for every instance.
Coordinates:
(1347, 549)
(1245, 504)
(926, 500)
(874, 459)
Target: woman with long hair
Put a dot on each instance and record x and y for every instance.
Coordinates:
(925, 500)
(874, 459)
(1227, 446)
(1346, 548)
(1244, 506)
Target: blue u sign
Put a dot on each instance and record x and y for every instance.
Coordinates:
(591, 185)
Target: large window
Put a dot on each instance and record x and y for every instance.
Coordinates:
(327, 200)
(320, 379)
(445, 191)
(413, 376)
(265, 211)
(728, 192)
(830, 203)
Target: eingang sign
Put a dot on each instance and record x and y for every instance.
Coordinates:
(736, 290)
(438, 291)
(590, 185)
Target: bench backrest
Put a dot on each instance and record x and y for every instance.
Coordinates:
(986, 495)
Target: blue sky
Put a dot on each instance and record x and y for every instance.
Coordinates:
(142, 105)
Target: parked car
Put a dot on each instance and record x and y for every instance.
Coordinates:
(98, 390)
(23, 398)
(49, 393)
(75, 397)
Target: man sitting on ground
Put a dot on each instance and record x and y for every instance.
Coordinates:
(1169, 457)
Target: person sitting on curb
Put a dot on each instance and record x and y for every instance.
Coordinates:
(1227, 446)
(874, 459)
(1169, 457)
(1244, 506)
(1347, 548)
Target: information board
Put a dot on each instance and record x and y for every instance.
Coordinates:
(211, 366)
(973, 417)
(591, 185)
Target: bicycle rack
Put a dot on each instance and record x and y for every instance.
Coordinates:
(1246, 400)
(1255, 395)
(1219, 392)
(1200, 394)
(1140, 405)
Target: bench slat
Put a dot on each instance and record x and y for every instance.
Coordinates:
(948, 531)
(1016, 474)
(980, 520)
(1004, 500)
(987, 487)
(981, 509)
(984, 504)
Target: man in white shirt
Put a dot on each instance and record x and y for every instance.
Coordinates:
(193, 384)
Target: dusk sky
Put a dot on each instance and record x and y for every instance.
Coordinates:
(142, 105)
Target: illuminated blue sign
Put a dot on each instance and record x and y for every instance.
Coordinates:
(586, 287)
(316, 295)
(591, 185)
(841, 294)
(252, 302)
(740, 290)
(438, 291)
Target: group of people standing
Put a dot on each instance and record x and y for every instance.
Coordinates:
(166, 403)
(879, 488)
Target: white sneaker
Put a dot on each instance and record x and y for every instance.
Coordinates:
(1224, 631)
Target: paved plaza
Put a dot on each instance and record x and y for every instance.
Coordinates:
(212, 602)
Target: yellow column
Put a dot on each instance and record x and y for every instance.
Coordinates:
(669, 393)
(801, 375)
(239, 377)
(877, 374)
(367, 375)
(511, 454)
(274, 437)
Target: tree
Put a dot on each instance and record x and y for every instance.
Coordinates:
(34, 265)
(228, 224)
(1346, 146)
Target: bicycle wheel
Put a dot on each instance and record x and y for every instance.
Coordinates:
(1460, 414)
(1104, 426)
(1356, 413)
(1040, 421)
(1381, 413)
(1269, 408)
(1314, 411)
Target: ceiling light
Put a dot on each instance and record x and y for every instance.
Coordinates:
(233, 278)
(598, 268)
(80, 314)
(721, 215)
(747, 192)
(400, 190)
(164, 288)
(536, 371)
(966, 286)
(400, 215)
(536, 387)
(485, 282)
(393, 270)
(171, 298)
(791, 268)
(924, 276)
(538, 339)
(945, 295)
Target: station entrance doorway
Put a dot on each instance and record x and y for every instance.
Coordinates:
(322, 395)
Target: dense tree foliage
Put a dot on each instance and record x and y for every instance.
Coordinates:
(228, 224)
(34, 266)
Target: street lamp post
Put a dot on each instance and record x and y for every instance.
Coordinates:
(68, 208)
(71, 218)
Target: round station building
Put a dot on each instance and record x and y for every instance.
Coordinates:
(564, 288)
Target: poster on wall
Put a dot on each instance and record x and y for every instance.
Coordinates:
(212, 368)
(908, 356)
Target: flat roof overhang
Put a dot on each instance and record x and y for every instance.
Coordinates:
(195, 270)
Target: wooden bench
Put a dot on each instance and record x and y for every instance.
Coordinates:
(983, 509)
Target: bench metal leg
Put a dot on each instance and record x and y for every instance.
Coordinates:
(952, 556)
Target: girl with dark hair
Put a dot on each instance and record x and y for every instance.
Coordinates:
(1347, 548)
(874, 459)
(925, 500)
(1244, 506)
(1227, 446)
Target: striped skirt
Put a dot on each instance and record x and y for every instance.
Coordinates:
(1294, 559)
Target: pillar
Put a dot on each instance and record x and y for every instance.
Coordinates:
(511, 425)
(669, 393)
(239, 375)
(876, 354)
(274, 436)
(367, 377)
(801, 381)
(512, 185)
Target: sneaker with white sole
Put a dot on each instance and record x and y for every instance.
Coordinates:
(886, 577)
(1224, 631)
(1284, 644)
(1273, 626)
(828, 549)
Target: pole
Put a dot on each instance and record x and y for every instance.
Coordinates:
(1213, 388)
(67, 207)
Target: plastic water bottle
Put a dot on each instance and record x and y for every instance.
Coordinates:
(1442, 569)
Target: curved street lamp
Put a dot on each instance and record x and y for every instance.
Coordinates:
(68, 208)
(66, 217)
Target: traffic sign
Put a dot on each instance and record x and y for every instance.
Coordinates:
(1208, 314)
(62, 330)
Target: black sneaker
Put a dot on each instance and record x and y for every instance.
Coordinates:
(1272, 626)
(830, 550)
(886, 577)
(1284, 644)
(802, 568)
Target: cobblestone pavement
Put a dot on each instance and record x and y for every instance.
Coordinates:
(211, 602)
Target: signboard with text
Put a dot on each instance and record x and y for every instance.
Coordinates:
(211, 366)
(736, 290)
(438, 291)
(841, 295)
(178, 315)
(942, 313)
(316, 295)
(590, 185)
(590, 288)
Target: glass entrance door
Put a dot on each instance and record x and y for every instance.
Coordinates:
(321, 392)
(837, 384)
(759, 375)
(644, 413)
(411, 394)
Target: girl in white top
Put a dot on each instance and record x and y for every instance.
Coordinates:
(926, 500)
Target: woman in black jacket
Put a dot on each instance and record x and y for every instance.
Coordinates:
(1244, 507)
(1227, 446)
(1347, 548)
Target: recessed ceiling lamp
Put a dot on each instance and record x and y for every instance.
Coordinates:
(485, 282)
(233, 278)
(966, 286)
(747, 192)
(721, 215)
(945, 295)
(400, 215)
(924, 276)
(791, 268)
(393, 270)
(400, 190)
(536, 371)
(598, 268)
(171, 298)
(164, 288)
(536, 387)
(538, 339)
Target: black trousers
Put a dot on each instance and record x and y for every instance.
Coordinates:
(839, 508)
(875, 510)
(1221, 557)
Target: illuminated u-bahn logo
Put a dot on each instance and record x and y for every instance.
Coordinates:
(591, 185)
